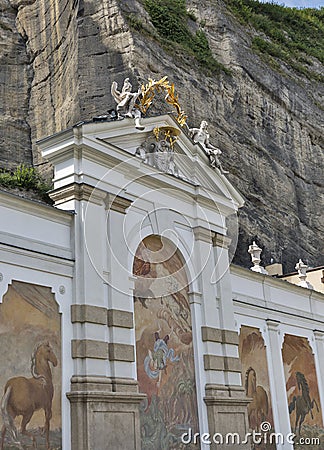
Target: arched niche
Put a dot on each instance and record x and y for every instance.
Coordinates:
(164, 347)
(29, 318)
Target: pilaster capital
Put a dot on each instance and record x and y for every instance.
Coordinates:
(195, 297)
(273, 325)
(318, 335)
(116, 203)
(220, 240)
(78, 192)
(203, 234)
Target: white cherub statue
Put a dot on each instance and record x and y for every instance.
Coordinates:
(126, 100)
(201, 136)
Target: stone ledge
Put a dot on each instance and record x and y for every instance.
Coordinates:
(121, 352)
(119, 318)
(85, 383)
(87, 348)
(224, 391)
(219, 335)
(88, 313)
(105, 397)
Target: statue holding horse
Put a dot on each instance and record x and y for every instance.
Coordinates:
(303, 404)
(259, 406)
(23, 396)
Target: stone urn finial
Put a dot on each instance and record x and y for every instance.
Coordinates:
(302, 275)
(255, 253)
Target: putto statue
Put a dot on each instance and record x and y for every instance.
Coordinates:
(126, 100)
(201, 136)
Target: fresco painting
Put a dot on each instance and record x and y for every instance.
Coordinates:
(302, 389)
(255, 377)
(164, 349)
(30, 379)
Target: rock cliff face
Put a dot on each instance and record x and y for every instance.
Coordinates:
(15, 83)
(60, 57)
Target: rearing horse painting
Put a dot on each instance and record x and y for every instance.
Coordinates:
(23, 396)
(303, 404)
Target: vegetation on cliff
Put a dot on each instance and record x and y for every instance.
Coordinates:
(26, 178)
(295, 36)
(174, 24)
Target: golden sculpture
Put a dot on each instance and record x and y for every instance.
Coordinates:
(166, 133)
(152, 87)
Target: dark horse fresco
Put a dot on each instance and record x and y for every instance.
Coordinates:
(23, 396)
(302, 404)
(302, 388)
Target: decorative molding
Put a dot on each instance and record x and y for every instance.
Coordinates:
(87, 348)
(223, 363)
(195, 297)
(116, 203)
(273, 325)
(219, 335)
(78, 192)
(88, 383)
(318, 335)
(118, 318)
(203, 234)
(220, 240)
(88, 313)
(62, 289)
(121, 352)
(216, 393)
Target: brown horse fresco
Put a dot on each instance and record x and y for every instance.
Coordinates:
(23, 396)
(258, 409)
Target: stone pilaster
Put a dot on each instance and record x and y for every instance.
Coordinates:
(104, 393)
(225, 399)
(319, 363)
(105, 413)
(227, 413)
(278, 383)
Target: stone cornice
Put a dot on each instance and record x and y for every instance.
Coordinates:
(36, 208)
(275, 282)
(78, 192)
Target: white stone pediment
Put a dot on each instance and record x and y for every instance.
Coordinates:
(190, 159)
(83, 153)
